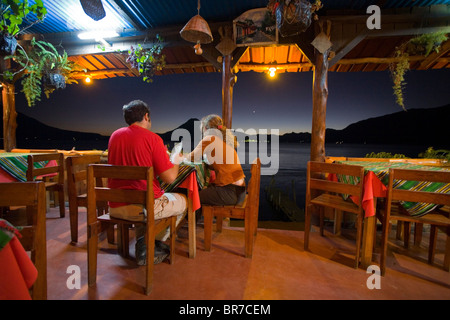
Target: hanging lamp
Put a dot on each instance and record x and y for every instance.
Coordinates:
(94, 9)
(197, 31)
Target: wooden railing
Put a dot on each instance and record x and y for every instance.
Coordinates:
(422, 161)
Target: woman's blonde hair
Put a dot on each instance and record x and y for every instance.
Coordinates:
(213, 121)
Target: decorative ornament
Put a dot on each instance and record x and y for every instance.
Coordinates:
(321, 42)
(197, 31)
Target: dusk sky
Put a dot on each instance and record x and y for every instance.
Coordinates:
(283, 103)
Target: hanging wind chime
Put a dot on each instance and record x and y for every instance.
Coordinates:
(197, 31)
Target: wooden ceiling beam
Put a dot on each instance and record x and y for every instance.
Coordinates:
(435, 56)
(261, 67)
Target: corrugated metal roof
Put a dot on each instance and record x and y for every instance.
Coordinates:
(67, 17)
(387, 4)
(154, 13)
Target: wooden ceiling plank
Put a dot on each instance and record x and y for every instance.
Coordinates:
(120, 60)
(434, 56)
(104, 61)
(350, 45)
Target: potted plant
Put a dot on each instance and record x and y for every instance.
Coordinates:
(45, 69)
(14, 12)
(147, 61)
(421, 45)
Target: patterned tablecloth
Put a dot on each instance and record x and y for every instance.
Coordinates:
(376, 180)
(14, 165)
(201, 172)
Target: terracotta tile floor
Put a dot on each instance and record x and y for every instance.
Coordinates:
(279, 270)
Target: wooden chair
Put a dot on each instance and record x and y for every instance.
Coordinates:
(322, 193)
(32, 195)
(57, 181)
(438, 218)
(248, 211)
(144, 197)
(76, 172)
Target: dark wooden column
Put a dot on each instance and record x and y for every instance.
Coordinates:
(320, 90)
(9, 117)
(228, 81)
(320, 97)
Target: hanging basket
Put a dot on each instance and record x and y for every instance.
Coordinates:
(8, 45)
(293, 18)
(94, 9)
(54, 81)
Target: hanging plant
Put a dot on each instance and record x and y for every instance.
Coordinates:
(293, 16)
(14, 14)
(421, 45)
(45, 69)
(149, 60)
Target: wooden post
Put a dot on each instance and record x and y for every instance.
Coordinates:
(228, 81)
(320, 97)
(9, 117)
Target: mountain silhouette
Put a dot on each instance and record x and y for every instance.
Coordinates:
(424, 127)
(33, 134)
(193, 128)
(429, 127)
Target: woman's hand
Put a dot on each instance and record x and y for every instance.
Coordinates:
(177, 158)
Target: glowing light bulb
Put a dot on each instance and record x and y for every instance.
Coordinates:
(272, 72)
(87, 80)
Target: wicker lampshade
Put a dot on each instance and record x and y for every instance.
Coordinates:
(197, 31)
(94, 9)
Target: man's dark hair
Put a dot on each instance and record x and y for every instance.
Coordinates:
(135, 111)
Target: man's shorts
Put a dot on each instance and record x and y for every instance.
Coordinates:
(169, 204)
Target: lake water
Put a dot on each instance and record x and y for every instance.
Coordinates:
(291, 174)
(291, 160)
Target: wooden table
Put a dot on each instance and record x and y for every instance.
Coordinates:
(375, 186)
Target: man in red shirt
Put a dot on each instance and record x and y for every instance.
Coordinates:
(136, 145)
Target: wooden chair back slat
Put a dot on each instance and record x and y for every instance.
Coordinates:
(421, 196)
(336, 168)
(122, 172)
(120, 195)
(14, 195)
(335, 187)
(420, 175)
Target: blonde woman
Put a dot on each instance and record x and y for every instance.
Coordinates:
(219, 147)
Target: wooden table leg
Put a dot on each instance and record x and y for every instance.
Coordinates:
(192, 231)
(367, 242)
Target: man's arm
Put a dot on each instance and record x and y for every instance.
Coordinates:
(169, 175)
